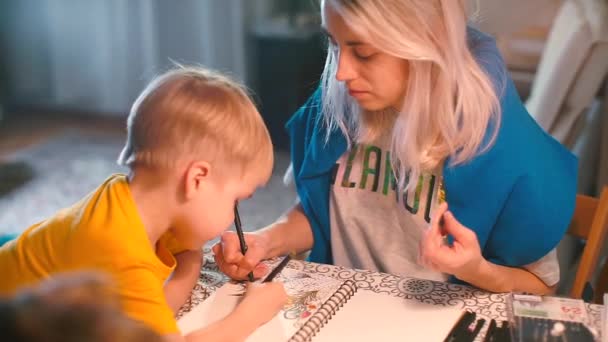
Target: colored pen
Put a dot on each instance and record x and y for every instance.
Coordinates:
(277, 269)
(239, 233)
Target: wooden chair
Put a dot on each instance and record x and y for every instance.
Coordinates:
(601, 285)
(590, 223)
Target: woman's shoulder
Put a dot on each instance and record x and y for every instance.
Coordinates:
(521, 176)
(486, 53)
(519, 137)
(520, 149)
(309, 112)
(479, 40)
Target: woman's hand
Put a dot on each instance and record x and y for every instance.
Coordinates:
(233, 263)
(462, 259)
(291, 233)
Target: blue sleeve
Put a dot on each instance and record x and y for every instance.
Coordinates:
(519, 195)
(300, 128)
(540, 204)
(313, 191)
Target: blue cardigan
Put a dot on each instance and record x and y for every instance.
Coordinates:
(518, 196)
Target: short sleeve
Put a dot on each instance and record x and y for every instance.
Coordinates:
(144, 300)
(169, 240)
(288, 175)
(546, 268)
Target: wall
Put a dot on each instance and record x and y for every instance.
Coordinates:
(25, 51)
(499, 18)
(95, 56)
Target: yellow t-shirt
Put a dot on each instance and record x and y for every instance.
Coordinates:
(102, 232)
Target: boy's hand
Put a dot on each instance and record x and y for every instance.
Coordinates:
(263, 301)
(462, 259)
(260, 304)
(233, 263)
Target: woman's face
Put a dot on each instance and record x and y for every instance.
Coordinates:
(376, 80)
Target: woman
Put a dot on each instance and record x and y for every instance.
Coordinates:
(415, 107)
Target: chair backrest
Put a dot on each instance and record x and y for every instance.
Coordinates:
(572, 67)
(601, 285)
(590, 223)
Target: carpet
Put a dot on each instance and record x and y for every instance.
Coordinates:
(70, 165)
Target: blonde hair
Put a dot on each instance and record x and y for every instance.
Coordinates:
(81, 306)
(192, 112)
(450, 100)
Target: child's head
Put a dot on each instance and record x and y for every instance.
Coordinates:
(77, 307)
(201, 129)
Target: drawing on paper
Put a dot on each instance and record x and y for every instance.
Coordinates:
(306, 294)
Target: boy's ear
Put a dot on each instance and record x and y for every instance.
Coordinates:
(197, 175)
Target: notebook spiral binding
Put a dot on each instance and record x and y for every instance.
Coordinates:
(325, 312)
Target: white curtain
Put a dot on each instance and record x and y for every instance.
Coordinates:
(95, 56)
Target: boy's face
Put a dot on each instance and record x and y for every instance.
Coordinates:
(209, 210)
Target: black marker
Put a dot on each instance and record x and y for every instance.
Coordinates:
(239, 233)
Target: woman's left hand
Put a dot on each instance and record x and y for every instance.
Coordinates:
(462, 258)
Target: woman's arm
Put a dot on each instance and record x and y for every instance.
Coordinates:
(290, 233)
(464, 260)
(497, 278)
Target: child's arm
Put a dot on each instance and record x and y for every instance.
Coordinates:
(261, 303)
(178, 288)
(234, 327)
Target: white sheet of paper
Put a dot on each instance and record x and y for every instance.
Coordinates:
(370, 316)
(366, 316)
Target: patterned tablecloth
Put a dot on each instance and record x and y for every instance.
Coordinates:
(486, 305)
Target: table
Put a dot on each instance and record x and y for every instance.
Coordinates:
(485, 304)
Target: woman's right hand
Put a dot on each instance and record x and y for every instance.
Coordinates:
(233, 263)
(263, 301)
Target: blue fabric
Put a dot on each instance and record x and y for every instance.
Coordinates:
(518, 196)
(6, 238)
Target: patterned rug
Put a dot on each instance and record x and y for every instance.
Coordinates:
(72, 164)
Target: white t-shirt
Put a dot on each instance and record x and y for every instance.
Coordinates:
(375, 228)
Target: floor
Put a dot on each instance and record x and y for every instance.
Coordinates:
(27, 128)
(71, 155)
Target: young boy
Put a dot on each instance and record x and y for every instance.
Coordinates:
(196, 145)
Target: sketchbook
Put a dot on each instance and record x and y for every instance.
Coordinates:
(321, 308)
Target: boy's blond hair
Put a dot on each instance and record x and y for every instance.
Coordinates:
(193, 113)
(85, 301)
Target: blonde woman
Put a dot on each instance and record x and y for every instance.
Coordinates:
(416, 157)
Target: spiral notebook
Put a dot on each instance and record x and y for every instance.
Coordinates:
(321, 308)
